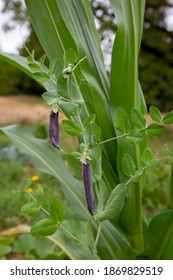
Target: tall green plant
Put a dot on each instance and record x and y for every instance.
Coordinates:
(104, 216)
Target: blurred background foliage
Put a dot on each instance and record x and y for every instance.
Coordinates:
(155, 58)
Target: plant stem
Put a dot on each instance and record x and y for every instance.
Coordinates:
(97, 239)
(69, 233)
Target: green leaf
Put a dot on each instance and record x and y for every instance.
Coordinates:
(137, 175)
(90, 118)
(76, 95)
(147, 156)
(31, 209)
(89, 236)
(168, 118)
(114, 204)
(41, 77)
(4, 250)
(67, 107)
(21, 63)
(125, 90)
(168, 253)
(50, 97)
(121, 121)
(69, 90)
(71, 127)
(70, 57)
(56, 210)
(95, 152)
(155, 114)
(171, 187)
(26, 243)
(42, 59)
(155, 129)
(52, 67)
(92, 133)
(97, 169)
(160, 229)
(137, 119)
(128, 165)
(103, 195)
(33, 54)
(34, 67)
(40, 196)
(62, 87)
(44, 227)
(135, 137)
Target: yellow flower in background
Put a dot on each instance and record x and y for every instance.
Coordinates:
(29, 190)
(35, 178)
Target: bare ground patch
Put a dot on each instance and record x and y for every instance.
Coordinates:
(23, 109)
(30, 109)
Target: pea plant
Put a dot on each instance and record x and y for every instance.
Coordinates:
(103, 180)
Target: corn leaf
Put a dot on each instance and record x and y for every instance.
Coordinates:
(20, 63)
(125, 92)
(124, 89)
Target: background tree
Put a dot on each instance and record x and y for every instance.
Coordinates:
(155, 60)
(19, 82)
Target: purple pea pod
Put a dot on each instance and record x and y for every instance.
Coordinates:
(89, 193)
(54, 129)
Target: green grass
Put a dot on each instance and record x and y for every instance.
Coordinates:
(156, 194)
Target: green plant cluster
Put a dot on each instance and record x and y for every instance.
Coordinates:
(104, 189)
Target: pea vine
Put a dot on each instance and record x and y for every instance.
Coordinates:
(64, 95)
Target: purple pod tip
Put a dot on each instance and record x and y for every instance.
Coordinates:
(54, 129)
(89, 193)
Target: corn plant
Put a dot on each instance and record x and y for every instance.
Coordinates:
(103, 179)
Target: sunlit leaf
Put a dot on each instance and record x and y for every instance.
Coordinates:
(135, 137)
(155, 129)
(155, 114)
(31, 209)
(70, 57)
(147, 156)
(114, 204)
(128, 165)
(56, 209)
(168, 118)
(137, 119)
(44, 227)
(121, 121)
(71, 127)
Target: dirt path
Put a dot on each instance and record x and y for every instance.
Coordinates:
(23, 109)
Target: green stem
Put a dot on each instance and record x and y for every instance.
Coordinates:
(97, 239)
(69, 233)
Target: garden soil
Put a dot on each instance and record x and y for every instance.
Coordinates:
(23, 109)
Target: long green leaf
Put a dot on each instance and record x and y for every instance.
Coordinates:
(160, 230)
(20, 63)
(126, 92)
